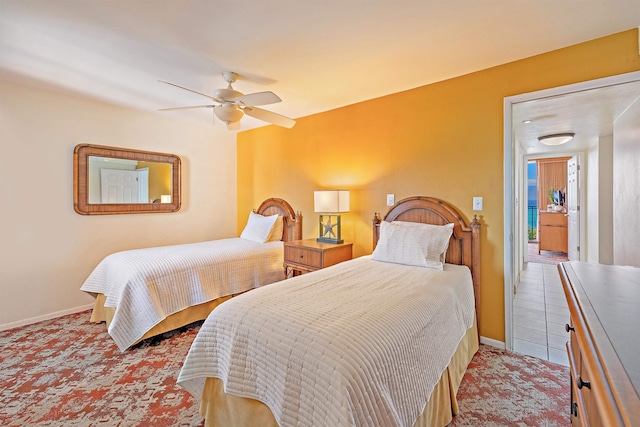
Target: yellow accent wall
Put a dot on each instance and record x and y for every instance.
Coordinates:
(159, 178)
(443, 140)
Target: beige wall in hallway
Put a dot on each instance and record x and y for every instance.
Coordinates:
(626, 184)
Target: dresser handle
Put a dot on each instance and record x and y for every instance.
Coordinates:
(574, 409)
(581, 383)
(301, 256)
(569, 328)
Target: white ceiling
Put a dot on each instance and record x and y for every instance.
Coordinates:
(589, 114)
(317, 55)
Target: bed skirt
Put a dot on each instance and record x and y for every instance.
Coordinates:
(174, 321)
(225, 410)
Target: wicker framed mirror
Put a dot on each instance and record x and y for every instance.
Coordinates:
(110, 180)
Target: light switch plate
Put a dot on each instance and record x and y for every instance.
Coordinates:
(477, 203)
(391, 199)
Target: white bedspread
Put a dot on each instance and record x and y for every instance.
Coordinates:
(362, 343)
(147, 285)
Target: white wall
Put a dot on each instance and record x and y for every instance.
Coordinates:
(605, 205)
(600, 202)
(46, 249)
(593, 199)
(626, 184)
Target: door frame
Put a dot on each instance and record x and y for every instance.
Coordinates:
(143, 185)
(512, 155)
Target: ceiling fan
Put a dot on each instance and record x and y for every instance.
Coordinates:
(230, 105)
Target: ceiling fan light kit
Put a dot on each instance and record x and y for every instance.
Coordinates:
(228, 113)
(556, 138)
(232, 105)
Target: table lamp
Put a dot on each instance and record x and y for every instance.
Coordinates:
(329, 204)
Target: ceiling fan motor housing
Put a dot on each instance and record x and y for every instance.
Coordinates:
(228, 94)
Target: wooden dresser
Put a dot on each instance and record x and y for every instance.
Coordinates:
(553, 232)
(604, 346)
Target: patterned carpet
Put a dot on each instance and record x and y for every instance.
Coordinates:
(510, 389)
(68, 372)
(544, 257)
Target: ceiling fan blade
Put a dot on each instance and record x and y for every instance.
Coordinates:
(233, 125)
(270, 116)
(258, 98)
(190, 90)
(184, 108)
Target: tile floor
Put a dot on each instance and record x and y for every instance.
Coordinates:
(540, 313)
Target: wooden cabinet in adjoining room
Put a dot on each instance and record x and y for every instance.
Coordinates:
(553, 233)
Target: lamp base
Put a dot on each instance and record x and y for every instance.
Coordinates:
(330, 231)
(329, 240)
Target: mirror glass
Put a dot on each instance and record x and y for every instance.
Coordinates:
(109, 180)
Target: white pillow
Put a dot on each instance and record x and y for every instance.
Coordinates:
(420, 245)
(419, 224)
(276, 231)
(258, 227)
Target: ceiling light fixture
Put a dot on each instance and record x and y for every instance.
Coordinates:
(556, 138)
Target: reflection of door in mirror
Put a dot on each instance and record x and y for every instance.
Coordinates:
(118, 186)
(113, 180)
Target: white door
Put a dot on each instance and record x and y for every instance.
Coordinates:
(143, 185)
(118, 186)
(573, 208)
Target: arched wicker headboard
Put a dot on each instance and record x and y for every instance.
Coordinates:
(464, 246)
(292, 229)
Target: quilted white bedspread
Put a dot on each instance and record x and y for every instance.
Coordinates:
(147, 285)
(362, 343)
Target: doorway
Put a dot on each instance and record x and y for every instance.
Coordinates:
(514, 155)
(547, 226)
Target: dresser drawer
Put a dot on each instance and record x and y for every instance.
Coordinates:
(310, 255)
(578, 407)
(553, 219)
(303, 256)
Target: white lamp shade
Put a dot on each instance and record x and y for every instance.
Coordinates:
(331, 201)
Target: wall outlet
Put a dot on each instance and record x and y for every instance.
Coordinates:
(391, 199)
(477, 203)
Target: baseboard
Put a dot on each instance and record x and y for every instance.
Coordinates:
(492, 343)
(45, 317)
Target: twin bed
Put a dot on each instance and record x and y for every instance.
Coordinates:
(381, 340)
(144, 292)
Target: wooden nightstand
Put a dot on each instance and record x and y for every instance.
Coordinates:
(309, 255)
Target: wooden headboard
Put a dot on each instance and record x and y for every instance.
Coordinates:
(292, 229)
(464, 246)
